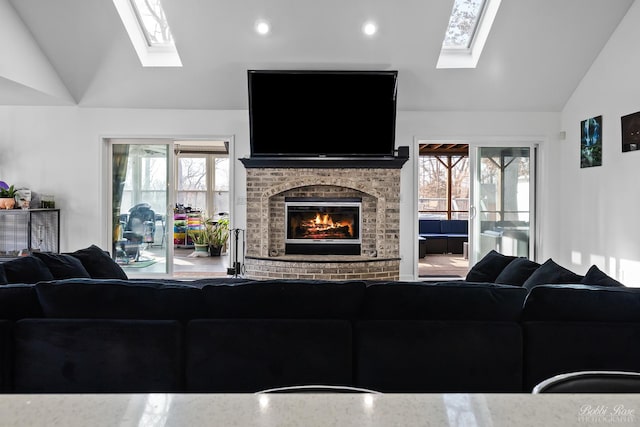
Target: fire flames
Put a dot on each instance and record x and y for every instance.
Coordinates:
(323, 226)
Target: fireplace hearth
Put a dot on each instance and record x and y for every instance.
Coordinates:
(323, 226)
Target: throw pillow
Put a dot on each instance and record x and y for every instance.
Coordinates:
(517, 272)
(551, 273)
(595, 276)
(489, 267)
(62, 266)
(99, 264)
(26, 269)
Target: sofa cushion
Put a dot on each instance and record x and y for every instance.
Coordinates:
(595, 276)
(429, 226)
(3, 277)
(517, 272)
(452, 300)
(285, 299)
(551, 273)
(62, 266)
(119, 299)
(26, 269)
(489, 267)
(97, 356)
(582, 303)
(99, 264)
(249, 355)
(19, 301)
(454, 226)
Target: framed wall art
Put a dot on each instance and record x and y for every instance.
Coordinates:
(630, 132)
(591, 142)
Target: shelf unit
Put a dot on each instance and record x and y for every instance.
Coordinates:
(183, 223)
(23, 231)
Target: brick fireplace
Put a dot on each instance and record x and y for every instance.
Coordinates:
(378, 190)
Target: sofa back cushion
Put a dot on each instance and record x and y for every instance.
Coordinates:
(454, 226)
(582, 303)
(119, 299)
(429, 226)
(454, 300)
(284, 299)
(26, 269)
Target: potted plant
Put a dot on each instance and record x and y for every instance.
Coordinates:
(200, 240)
(7, 196)
(218, 235)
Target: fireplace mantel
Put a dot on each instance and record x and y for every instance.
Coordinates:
(325, 162)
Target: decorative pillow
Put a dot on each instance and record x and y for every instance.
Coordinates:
(26, 269)
(595, 276)
(551, 273)
(3, 277)
(62, 266)
(517, 272)
(489, 267)
(99, 264)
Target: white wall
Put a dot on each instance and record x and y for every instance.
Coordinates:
(596, 208)
(58, 150)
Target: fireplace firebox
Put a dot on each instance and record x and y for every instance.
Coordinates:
(323, 226)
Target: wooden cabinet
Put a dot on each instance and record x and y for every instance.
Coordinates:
(23, 231)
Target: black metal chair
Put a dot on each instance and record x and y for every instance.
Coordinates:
(138, 230)
(591, 382)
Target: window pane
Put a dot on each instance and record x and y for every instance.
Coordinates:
(462, 24)
(222, 174)
(460, 187)
(153, 21)
(192, 173)
(432, 184)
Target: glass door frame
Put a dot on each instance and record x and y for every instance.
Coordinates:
(474, 192)
(168, 223)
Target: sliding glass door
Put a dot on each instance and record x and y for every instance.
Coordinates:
(140, 218)
(503, 200)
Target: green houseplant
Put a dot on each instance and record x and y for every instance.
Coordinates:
(200, 240)
(218, 235)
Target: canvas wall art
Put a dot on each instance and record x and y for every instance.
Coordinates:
(630, 132)
(591, 142)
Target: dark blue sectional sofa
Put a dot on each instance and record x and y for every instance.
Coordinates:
(438, 236)
(99, 335)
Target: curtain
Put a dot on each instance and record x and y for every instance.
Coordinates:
(119, 175)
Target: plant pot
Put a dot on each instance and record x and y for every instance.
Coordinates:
(201, 247)
(215, 250)
(7, 202)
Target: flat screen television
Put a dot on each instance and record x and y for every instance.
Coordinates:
(294, 113)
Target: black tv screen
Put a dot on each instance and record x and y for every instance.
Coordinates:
(322, 113)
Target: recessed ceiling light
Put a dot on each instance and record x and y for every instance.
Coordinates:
(369, 28)
(262, 27)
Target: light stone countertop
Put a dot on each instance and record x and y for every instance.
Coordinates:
(308, 410)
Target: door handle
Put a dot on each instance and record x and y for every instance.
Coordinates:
(472, 212)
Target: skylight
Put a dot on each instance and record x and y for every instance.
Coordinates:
(467, 32)
(153, 22)
(462, 24)
(148, 29)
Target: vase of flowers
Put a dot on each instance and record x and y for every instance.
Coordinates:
(7, 196)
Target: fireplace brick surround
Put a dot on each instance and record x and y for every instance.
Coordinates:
(379, 189)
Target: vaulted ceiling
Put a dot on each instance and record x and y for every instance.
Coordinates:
(535, 56)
